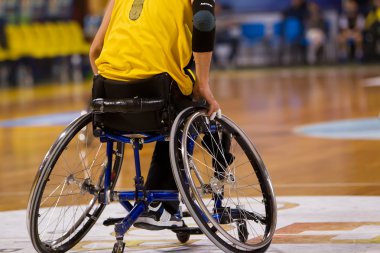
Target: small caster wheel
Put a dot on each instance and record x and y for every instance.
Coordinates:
(242, 231)
(118, 247)
(183, 237)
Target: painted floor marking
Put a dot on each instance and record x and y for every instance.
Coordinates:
(59, 119)
(353, 129)
(347, 224)
(372, 82)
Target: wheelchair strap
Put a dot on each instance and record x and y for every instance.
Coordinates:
(130, 105)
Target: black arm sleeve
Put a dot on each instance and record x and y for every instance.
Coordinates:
(204, 25)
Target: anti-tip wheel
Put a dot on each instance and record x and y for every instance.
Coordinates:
(183, 237)
(118, 247)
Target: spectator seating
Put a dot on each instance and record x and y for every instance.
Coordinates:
(45, 40)
(276, 40)
(293, 31)
(293, 41)
(253, 36)
(37, 41)
(253, 33)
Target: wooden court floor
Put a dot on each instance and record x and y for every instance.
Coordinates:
(267, 104)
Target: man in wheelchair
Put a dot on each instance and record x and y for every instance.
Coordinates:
(148, 52)
(144, 92)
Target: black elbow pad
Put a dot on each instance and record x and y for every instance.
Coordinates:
(204, 25)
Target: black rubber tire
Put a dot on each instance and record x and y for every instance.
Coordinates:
(42, 177)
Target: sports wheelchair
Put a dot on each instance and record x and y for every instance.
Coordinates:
(220, 176)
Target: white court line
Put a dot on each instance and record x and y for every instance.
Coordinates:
(372, 82)
(326, 185)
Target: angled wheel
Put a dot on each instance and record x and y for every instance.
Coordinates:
(63, 202)
(223, 182)
(118, 247)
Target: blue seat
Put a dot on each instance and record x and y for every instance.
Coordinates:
(293, 31)
(289, 40)
(276, 38)
(253, 33)
(277, 28)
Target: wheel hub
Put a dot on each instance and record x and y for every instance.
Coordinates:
(85, 186)
(216, 185)
(70, 180)
(230, 178)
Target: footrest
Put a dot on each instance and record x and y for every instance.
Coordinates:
(187, 230)
(112, 221)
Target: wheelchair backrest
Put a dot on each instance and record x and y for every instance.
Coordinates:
(137, 97)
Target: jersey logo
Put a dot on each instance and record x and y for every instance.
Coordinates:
(136, 9)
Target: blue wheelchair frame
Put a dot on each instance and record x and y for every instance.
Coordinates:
(141, 196)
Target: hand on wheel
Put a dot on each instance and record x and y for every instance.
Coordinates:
(203, 91)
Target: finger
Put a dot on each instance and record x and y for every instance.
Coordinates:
(219, 114)
(213, 115)
(212, 109)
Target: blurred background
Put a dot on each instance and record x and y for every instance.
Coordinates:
(278, 65)
(43, 41)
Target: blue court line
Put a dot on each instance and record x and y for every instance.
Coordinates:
(59, 119)
(355, 129)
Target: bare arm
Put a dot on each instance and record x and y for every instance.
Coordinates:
(97, 44)
(202, 87)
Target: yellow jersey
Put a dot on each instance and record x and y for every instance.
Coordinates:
(373, 17)
(146, 38)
